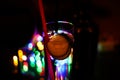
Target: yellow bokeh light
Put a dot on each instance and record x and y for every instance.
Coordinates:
(20, 54)
(15, 60)
(40, 45)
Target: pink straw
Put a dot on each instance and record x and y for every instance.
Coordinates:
(50, 67)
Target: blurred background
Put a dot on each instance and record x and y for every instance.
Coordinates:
(19, 18)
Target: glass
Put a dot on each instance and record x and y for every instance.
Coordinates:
(60, 47)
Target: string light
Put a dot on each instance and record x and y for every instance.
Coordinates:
(20, 54)
(15, 61)
(30, 46)
(24, 57)
(40, 46)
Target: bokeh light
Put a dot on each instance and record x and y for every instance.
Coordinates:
(31, 57)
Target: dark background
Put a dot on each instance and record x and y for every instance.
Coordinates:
(18, 19)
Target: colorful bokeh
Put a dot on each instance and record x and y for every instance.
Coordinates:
(31, 58)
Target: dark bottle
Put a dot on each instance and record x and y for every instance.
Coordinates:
(85, 45)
